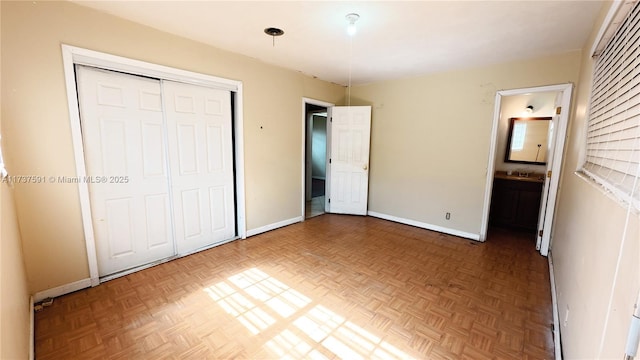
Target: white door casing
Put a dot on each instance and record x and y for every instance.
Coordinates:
(349, 160)
(200, 152)
(327, 184)
(125, 150)
(305, 152)
(554, 166)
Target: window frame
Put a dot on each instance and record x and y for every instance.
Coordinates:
(615, 18)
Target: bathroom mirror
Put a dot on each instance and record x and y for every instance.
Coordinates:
(528, 139)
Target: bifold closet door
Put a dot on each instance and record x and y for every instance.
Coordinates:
(125, 155)
(200, 152)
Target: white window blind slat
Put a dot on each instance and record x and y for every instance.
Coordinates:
(616, 61)
(618, 124)
(603, 80)
(623, 83)
(611, 60)
(625, 92)
(612, 156)
(613, 119)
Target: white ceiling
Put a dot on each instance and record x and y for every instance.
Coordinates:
(394, 40)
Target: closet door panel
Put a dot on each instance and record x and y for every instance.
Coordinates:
(124, 144)
(201, 155)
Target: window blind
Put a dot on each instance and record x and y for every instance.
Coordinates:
(612, 154)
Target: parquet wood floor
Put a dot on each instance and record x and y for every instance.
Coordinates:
(330, 287)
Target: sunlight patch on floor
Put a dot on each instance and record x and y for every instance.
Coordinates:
(316, 326)
(344, 338)
(288, 345)
(279, 297)
(238, 306)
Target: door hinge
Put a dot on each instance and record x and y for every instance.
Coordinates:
(331, 119)
(329, 160)
(329, 200)
(558, 110)
(549, 174)
(540, 232)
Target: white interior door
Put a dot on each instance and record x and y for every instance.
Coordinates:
(547, 202)
(200, 153)
(125, 155)
(547, 182)
(349, 159)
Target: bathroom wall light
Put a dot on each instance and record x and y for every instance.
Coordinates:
(351, 28)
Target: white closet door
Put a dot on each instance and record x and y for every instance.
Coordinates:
(124, 144)
(199, 128)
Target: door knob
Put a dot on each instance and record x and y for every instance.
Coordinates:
(365, 167)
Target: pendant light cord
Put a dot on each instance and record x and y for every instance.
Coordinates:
(350, 69)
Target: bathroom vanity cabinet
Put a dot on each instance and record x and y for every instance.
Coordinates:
(515, 201)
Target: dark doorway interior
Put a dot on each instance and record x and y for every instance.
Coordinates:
(316, 155)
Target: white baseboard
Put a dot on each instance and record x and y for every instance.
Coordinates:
(85, 283)
(32, 327)
(554, 304)
(62, 289)
(274, 226)
(425, 225)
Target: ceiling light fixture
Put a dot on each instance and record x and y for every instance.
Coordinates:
(529, 109)
(273, 32)
(351, 28)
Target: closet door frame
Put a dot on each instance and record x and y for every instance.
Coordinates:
(72, 56)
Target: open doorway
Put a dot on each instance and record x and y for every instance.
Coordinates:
(522, 194)
(525, 129)
(316, 125)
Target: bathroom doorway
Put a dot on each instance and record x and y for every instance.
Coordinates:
(523, 104)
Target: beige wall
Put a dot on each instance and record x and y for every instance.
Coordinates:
(39, 136)
(586, 242)
(430, 137)
(14, 297)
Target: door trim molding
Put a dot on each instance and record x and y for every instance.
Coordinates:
(305, 101)
(566, 90)
(71, 56)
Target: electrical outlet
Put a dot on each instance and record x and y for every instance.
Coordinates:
(448, 216)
